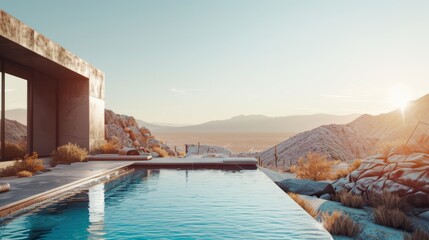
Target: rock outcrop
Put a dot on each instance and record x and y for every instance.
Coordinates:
(306, 187)
(405, 174)
(126, 132)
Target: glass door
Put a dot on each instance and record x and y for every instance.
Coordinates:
(14, 122)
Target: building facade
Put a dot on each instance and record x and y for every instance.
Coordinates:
(49, 96)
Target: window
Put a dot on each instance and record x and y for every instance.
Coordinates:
(14, 111)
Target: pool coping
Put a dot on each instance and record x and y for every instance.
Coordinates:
(192, 163)
(20, 204)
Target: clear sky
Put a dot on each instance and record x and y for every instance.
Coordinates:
(194, 61)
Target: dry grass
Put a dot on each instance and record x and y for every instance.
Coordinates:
(339, 223)
(23, 174)
(30, 163)
(346, 171)
(14, 151)
(315, 167)
(394, 218)
(110, 147)
(160, 151)
(387, 200)
(69, 153)
(418, 234)
(304, 204)
(181, 154)
(349, 199)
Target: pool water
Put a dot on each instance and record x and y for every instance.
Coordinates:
(172, 204)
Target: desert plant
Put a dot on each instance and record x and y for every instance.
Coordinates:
(23, 174)
(418, 234)
(304, 204)
(69, 153)
(109, 147)
(162, 152)
(394, 218)
(13, 151)
(387, 200)
(315, 167)
(339, 223)
(181, 154)
(350, 200)
(30, 163)
(340, 173)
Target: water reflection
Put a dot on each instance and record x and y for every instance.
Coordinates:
(96, 211)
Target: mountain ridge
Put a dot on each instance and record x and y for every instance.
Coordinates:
(336, 140)
(259, 123)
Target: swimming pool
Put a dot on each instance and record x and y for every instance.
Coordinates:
(172, 204)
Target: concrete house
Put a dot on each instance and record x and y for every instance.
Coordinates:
(64, 95)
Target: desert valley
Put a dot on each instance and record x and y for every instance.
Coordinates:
(214, 120)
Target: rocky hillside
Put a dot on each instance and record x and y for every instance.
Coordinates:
(15, 132)
(336, 141)
(357, 139)
(393, 125)
(126, 132)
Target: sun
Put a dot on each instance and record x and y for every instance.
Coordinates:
(399, 96)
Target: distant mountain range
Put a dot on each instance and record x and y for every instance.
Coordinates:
(357, 139)
(19, 115)
(256, 124)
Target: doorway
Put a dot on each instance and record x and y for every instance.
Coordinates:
(14, 129)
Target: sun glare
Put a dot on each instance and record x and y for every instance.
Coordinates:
(399, 96)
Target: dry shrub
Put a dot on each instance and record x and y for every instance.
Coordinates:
(23, 174)
(162, 152)
(180, 154)
(315, 167)
(387, 200)
(339, 223)
(350, 200)
(418, 234)
(341, 173)
(109, 147)
(392, 218)
(304, 204)
(14, 151)
(30, 163)
(344, 172)
(385, 147)
(69, 153)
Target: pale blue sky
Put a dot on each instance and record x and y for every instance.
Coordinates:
(194, 61)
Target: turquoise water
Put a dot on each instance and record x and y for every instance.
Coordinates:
(172, 204)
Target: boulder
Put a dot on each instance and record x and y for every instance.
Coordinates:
(306, 187)
(171, 152)
(115, 132)
(404, 174)
(154, 143)
(145, 131)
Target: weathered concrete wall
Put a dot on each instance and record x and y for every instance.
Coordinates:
(18, 32)
(81, 86)
(96, 122)
(73, 112)
(44, 113)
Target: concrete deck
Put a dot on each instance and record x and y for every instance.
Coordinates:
(24, 189)
(61, 177)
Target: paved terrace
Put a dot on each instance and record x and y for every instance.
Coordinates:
(25, 190)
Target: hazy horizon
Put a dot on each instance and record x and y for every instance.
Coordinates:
(190, 62)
